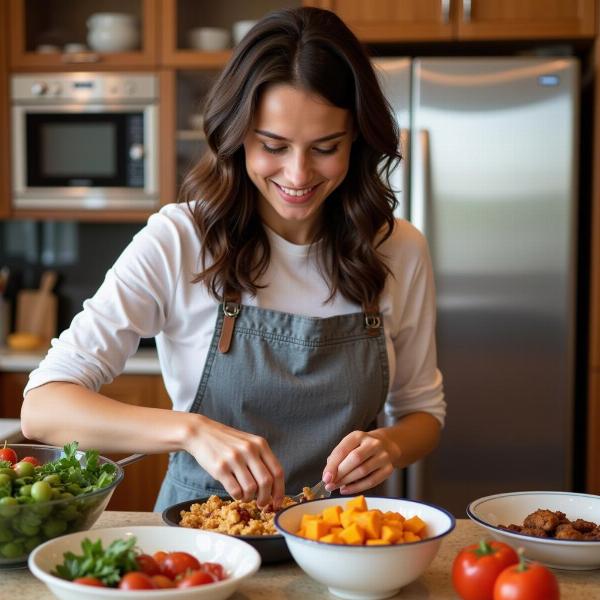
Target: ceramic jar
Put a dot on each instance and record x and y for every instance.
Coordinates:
(113, 32)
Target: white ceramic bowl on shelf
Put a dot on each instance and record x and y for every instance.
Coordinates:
(239, 559)
(209, 39)
(365, 572)
(113, 32)
(512, 508)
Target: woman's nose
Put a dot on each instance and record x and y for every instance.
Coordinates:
(298, 170)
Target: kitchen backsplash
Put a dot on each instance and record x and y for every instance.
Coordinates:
(80, 253)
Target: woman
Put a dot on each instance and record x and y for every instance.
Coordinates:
(288, 305)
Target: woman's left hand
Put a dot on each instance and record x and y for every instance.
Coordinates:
(359, 462)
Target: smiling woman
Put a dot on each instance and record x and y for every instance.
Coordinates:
(289, 307)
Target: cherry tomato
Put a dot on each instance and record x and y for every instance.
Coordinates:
(195, 578)
(31, 459)
(147, 564)
(163, 582)
(476, 567)
(159, 557)
(526, 582)
(214, 569)
(177, 563)
(136, 581)
(89, 581)
(8, 454)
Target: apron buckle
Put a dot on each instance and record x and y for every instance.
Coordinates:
(372, 321)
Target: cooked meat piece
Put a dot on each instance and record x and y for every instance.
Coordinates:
(567, 532)
(562, 518)
(583, 526)
(534, 531)
(511, 527)
(542, 519)
(592, 535)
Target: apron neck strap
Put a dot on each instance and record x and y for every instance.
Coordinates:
(372, 317)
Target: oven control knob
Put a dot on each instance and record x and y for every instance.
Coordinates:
(136, 152)
(55, 89)
(39, 88)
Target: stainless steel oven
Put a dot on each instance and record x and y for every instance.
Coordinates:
(85, 141)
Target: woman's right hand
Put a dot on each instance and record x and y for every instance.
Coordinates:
(243, 463)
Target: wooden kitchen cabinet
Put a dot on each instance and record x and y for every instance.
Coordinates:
(60, 22)
(142, 480)
(389, 21)
(179, 17)
(525, 19)
(438, 20)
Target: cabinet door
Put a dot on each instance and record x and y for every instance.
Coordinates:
(393, 20)
(11, 394)
(60, 22)
(525, 19)
(139, 488)
(593, 433)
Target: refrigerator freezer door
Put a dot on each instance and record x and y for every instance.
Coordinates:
(394, 77)
(494, 190)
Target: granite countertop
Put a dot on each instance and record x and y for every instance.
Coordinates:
(287, 582)
(144, 361)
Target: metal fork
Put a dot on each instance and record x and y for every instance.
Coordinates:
(317, 491)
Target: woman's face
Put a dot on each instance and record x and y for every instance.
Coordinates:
(297, 153)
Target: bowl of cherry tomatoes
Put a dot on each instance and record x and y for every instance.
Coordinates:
(173, 563)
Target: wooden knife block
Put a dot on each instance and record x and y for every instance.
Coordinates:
(27, 304)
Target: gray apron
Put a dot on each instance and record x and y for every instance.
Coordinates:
(302, 383)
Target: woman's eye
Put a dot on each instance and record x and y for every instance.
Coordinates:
(327, 150)
(273, 150)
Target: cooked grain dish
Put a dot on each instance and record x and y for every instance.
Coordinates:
(233, 517)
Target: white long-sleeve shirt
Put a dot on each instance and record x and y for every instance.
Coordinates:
(148, 292)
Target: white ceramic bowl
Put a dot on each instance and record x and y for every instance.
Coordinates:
(209, 39)
(239, 559)
(365, 572)
(506, 509)
(241, 28)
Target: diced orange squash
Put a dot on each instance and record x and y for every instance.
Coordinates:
(414, 524)
(331, 538)
(391, 533)
(370, 521)
(393, 523)
(377, 543)
(347, 517)
(353, 534)
(358, 503)
(409, 536)
(331, 515)
(301, 532)
(394, 516)
(314, 530)
(337, 530)
(307, 518)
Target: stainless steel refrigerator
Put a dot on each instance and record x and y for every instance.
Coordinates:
(490, 177)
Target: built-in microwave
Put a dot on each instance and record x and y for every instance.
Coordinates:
(85, 141)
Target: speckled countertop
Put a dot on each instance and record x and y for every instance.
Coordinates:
(287, 582)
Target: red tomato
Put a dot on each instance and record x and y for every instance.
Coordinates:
(159, 557)
(526, 582)
(177, 563)
(136, 581)
(195, 578)
(163, 582)
(476, 567)
(214, 569)
(89, 581)
(147, 564)
(31, 459)
(9, 455)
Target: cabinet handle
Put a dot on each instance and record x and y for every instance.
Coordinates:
(445, 11)
(467, 8)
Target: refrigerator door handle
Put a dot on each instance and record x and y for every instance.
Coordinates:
(445, 6)
(467, 8)
(420, 191)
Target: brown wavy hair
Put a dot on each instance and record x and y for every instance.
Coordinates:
(311, 49)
